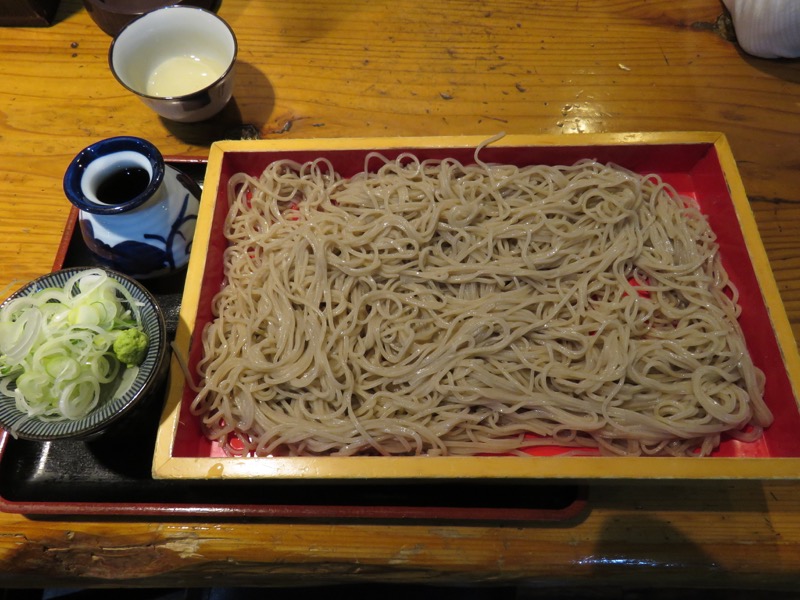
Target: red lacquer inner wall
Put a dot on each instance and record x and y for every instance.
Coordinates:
(693, 169)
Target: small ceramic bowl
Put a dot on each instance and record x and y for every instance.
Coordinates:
(113, 15)
(137, 213)
(118, 402)
(178, 60)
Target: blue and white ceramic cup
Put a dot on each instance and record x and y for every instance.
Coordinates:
(137, 214)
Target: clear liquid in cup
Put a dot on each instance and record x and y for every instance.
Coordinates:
(183, 75)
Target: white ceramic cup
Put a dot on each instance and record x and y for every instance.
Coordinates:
(179, 60)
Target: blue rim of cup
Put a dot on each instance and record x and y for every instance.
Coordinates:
(76, 169)
(184, 96)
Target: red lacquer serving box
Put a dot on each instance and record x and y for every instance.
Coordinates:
(697, 164)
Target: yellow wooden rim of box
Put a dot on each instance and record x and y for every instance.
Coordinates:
(166, 466)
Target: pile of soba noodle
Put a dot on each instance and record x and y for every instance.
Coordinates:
(441, 308)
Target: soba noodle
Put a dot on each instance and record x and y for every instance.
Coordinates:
(440, 308)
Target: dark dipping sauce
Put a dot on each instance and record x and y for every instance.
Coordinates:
(122, 185)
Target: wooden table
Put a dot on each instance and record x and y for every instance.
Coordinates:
(357, 68)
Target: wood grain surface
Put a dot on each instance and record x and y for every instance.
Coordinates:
(357, 68)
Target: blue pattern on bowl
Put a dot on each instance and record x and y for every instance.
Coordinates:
(137, 257)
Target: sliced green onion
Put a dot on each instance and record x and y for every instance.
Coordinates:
(56, 345)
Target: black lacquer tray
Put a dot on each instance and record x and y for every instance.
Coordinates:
(110, 476)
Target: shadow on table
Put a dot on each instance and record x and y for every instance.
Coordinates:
(231, 123)
(640, 541)
(787, 69)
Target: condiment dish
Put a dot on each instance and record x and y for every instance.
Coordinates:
(130, 387)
